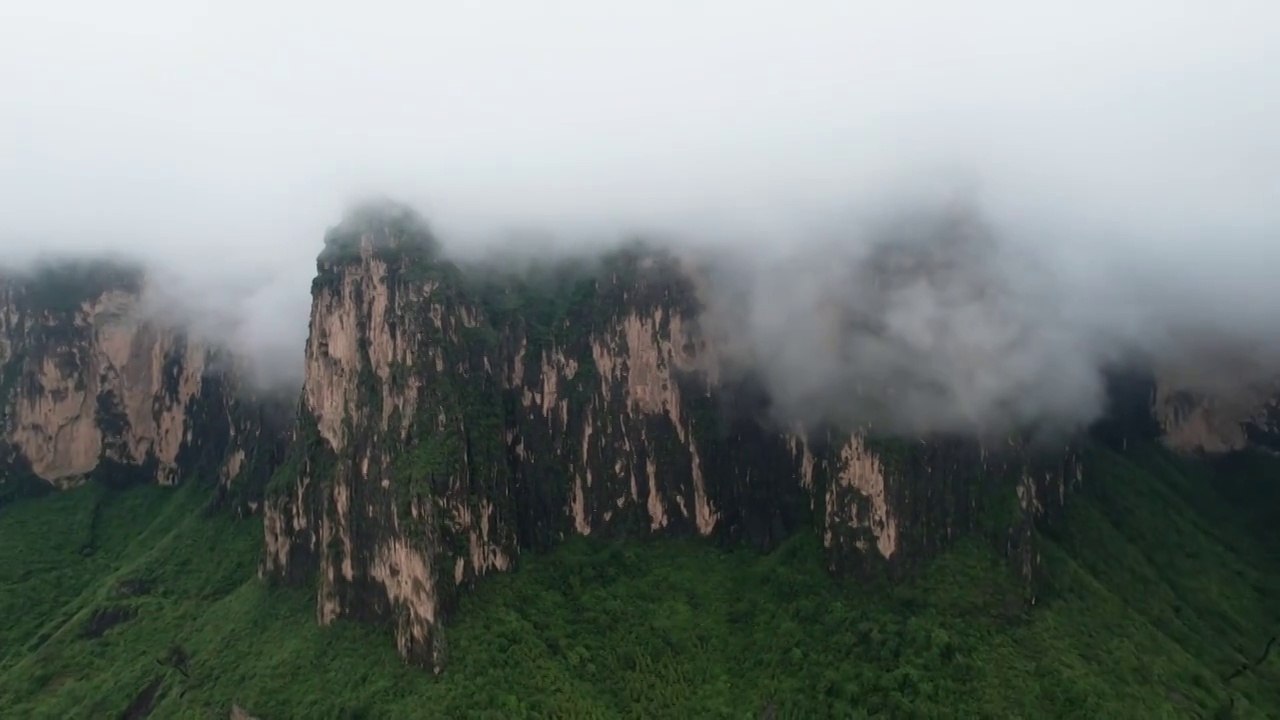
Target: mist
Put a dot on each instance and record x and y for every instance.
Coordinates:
(1116, 167)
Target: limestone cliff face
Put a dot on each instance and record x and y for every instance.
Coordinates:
(398, 492)
(93, 388)
(1198, 421)
(448, 423)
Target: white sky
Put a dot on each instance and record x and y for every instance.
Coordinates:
(223, 137)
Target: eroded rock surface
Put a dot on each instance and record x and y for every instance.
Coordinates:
(94, 386)
(1198, 421)
(449, 421)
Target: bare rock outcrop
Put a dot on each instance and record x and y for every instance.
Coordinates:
(95, 386)
(1195, 420)
(450, 420)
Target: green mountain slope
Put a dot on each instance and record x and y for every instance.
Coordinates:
(1163, 580)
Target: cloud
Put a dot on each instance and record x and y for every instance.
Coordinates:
(1122, 158)
(923, 317)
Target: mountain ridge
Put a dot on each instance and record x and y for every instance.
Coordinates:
(451, 420)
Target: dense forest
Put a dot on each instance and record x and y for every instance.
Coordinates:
(1161, 602)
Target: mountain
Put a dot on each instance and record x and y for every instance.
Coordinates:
(457, 421)
(451, 420)
(95, 387)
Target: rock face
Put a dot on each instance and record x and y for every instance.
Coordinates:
(93, 388)
(448, 423)
(451, 420)
(1219, 422)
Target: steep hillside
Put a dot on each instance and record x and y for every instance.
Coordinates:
(1158, 587)
(95, 387)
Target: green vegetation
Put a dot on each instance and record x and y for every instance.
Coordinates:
(425, 464)
(386, 222)
(1160, 587)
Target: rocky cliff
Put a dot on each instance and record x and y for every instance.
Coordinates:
(1196, 421)
(94, 387)
(452, 420)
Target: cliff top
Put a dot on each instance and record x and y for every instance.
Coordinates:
(381, 225)
(63, 283)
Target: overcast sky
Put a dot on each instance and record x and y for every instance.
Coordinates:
(225, 136)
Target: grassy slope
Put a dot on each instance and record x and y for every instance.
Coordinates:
(1159, 588)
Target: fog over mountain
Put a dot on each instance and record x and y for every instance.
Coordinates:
(977, 205)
